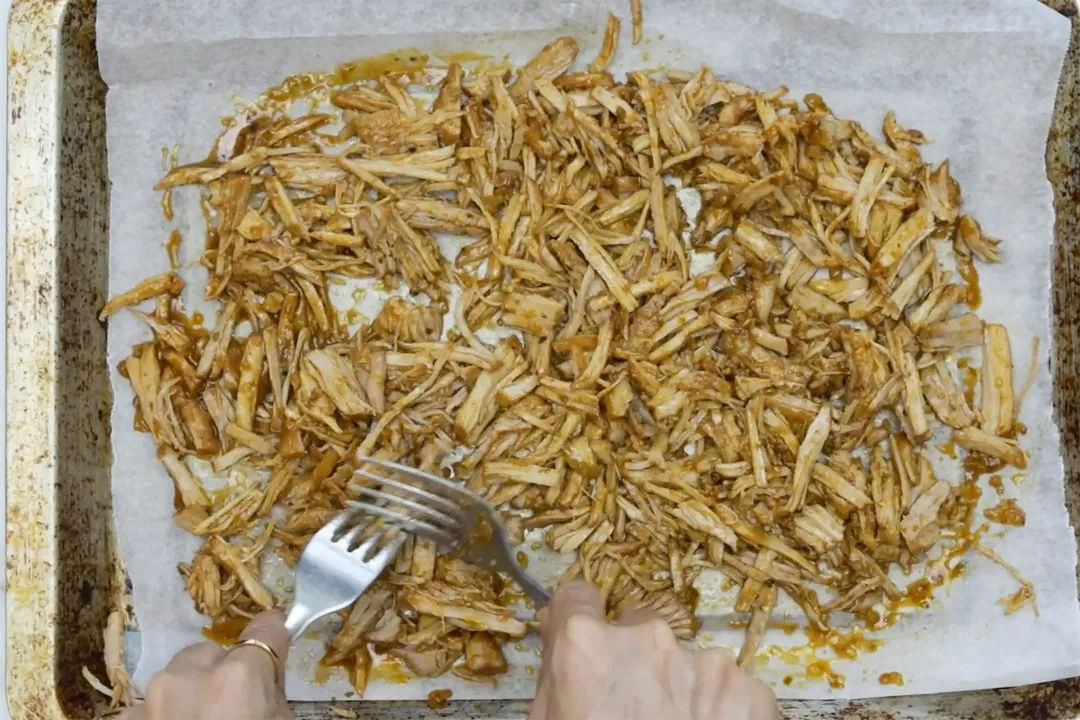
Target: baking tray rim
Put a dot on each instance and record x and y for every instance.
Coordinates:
(33, 303)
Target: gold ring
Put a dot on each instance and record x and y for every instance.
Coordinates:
(252, 642)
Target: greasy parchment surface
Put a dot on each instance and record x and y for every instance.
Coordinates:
(978, 77)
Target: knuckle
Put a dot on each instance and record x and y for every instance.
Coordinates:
(582, 628)
(582, 636)
(658, 625)
(716, 661)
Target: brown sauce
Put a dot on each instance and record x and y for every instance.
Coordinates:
(920, 593)
(227, 631)
(390, 670)
(438, 699)
(948, 448)
(891, 678)
(967, 271)
(1007, 512)
(407, 60)
(976, 465)
(324, 670)
(845, 645)
(821, 669)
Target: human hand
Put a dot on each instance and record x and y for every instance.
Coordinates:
(634, 668)
(207, 682)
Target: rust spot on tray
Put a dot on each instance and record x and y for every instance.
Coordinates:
(1047, 700)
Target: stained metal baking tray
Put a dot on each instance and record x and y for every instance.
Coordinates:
(63, 574)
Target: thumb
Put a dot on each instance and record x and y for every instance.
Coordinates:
(268, 627)
(575, 598)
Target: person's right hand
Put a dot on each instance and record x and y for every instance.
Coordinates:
(634, 668)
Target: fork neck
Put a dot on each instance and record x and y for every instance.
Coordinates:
(300, 616)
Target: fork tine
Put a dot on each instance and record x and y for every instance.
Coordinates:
(330, 529)
(388, 551)
(430, 498)
(351, 534)
(368, 543)
(419, 527)
(414, 506)
(362, 549)
(453, 490)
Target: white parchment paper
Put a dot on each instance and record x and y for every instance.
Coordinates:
(977, 76)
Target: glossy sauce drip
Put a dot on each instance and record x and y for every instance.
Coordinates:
(920, 593)
(948, 448)
(325, 670)
(976, 465)
(1007, 512)
(891, 678)
(390, 670)
(845, 645)
(968, 494)
(438, 699)
(967, 271)
(227, 631)
(823, 669)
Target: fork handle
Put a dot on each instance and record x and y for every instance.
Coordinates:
(298, 619)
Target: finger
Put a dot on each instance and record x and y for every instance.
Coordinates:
(196, 657)
(715, 692)
(268, 627)
(763, 702)
(576, 598)
(539, 708)
(635, 616)
(543, 616)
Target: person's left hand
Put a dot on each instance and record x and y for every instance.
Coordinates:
(206, 682)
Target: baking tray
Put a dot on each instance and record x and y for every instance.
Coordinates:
(63, 574)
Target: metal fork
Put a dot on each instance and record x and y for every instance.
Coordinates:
(332, 573)
(443, 512)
